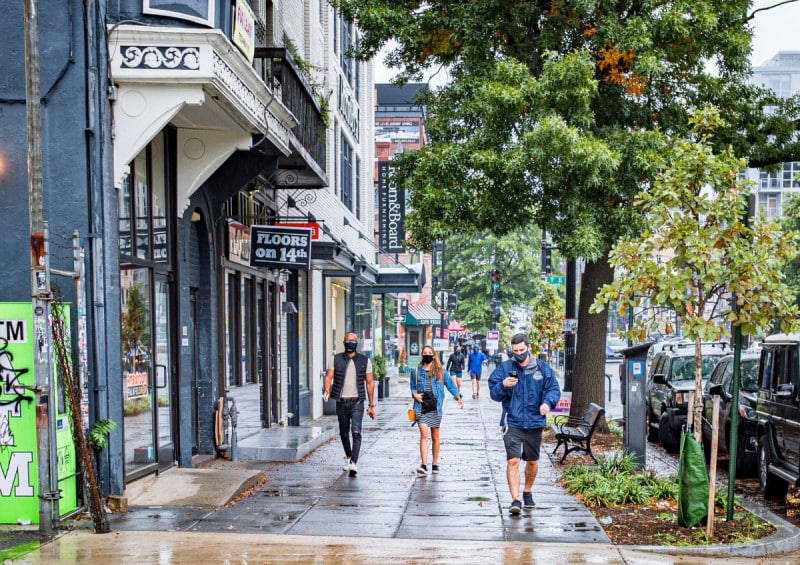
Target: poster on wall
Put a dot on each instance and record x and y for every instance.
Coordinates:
(19, 503)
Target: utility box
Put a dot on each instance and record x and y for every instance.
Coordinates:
(634, 391)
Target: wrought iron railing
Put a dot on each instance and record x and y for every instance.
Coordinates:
(282, 74)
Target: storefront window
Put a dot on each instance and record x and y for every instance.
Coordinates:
(362, 314)
(302, 349)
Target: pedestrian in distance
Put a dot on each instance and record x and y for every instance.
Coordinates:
(427, 384)
(349, 381)
(475, 365)
(455, 365)
(528, 389)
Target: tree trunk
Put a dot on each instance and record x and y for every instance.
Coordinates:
(589, 380)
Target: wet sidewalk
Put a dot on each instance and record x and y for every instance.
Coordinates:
(468, 500)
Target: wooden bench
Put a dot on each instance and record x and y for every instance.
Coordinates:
(576, 434)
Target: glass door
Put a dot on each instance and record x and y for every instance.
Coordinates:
(163, 374)
(137, 371)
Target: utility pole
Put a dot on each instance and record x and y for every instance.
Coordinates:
(40, 278)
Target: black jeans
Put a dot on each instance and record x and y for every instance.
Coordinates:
(351, 414)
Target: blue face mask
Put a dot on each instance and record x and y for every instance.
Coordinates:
(350, 345)
(520, 357)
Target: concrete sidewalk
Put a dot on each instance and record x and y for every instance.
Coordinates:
(468, 500)
(311, 509)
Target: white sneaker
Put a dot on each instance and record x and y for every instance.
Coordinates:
(347, 466)
(353, 470)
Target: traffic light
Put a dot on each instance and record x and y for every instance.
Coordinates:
(403, 306)
(495, 307)
(547, 259)
(495, 279)
(452, 300)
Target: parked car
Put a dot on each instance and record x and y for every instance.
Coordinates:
(721, 383)
(614, 347)
(778, 409)
(669, 382)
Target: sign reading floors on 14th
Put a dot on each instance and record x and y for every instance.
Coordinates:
(280, 247)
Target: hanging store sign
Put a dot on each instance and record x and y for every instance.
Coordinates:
(278, 247)
(313, 226)
(238, 242)
(244, 29)
(391, 211)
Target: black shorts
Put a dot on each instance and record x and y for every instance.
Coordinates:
(523, 443)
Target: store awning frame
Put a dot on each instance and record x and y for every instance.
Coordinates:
(422, 315)
(393, 279)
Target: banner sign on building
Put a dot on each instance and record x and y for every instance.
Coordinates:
(391, 211)
(278, 247)
(19, 489)
(238, 243)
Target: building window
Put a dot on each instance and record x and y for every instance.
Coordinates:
(769, 203)
(199, 11)
(358, 188)
(347, 173)
(346, 61)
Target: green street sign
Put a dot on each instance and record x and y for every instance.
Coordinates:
(552, 279)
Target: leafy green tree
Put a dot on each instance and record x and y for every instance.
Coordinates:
(790, 222)
(695, 216)
(469, 261)
(547, 311)
(557, 115)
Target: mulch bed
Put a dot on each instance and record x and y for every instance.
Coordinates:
(656, 523)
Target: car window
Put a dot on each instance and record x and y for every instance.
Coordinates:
(658, 365)
(748, 371)
(792, 365)
(780, 375)
(765, 368)
(728, 376)
(682, 369)
(707, 364)
(719, 372)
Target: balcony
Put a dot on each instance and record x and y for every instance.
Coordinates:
(305, 167)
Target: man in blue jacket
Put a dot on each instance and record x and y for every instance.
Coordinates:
(475, 368)
(528, 389)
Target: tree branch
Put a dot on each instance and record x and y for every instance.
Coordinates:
(754, 12)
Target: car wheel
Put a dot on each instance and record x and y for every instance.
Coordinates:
(771, 486)
(652, 431)
(668, 438)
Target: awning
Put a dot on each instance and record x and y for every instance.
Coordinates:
(399, 278)
(422, 315)
(456, 327)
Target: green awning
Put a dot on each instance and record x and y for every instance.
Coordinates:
(422, 315)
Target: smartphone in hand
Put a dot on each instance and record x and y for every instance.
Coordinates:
(513, 376)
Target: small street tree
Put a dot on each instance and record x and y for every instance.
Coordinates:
(547, 311)
(715, 270)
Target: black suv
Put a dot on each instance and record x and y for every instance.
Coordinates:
(721, 383)
(778, 410)
(669, 383)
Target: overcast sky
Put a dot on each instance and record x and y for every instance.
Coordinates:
(776, 30)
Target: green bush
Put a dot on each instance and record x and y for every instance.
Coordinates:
(379, 367)
(137, 406)
(616, 481)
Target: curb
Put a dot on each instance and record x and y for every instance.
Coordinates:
(785, 540)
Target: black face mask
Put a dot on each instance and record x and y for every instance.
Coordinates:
(427, 358)
(350, 345)
(520, 357)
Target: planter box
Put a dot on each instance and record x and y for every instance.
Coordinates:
(379, 386)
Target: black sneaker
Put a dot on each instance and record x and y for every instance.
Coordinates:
(515, 508)
(435, 469)
(422, 470)
(527, 500)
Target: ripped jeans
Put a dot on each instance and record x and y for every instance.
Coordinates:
(351, 414)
